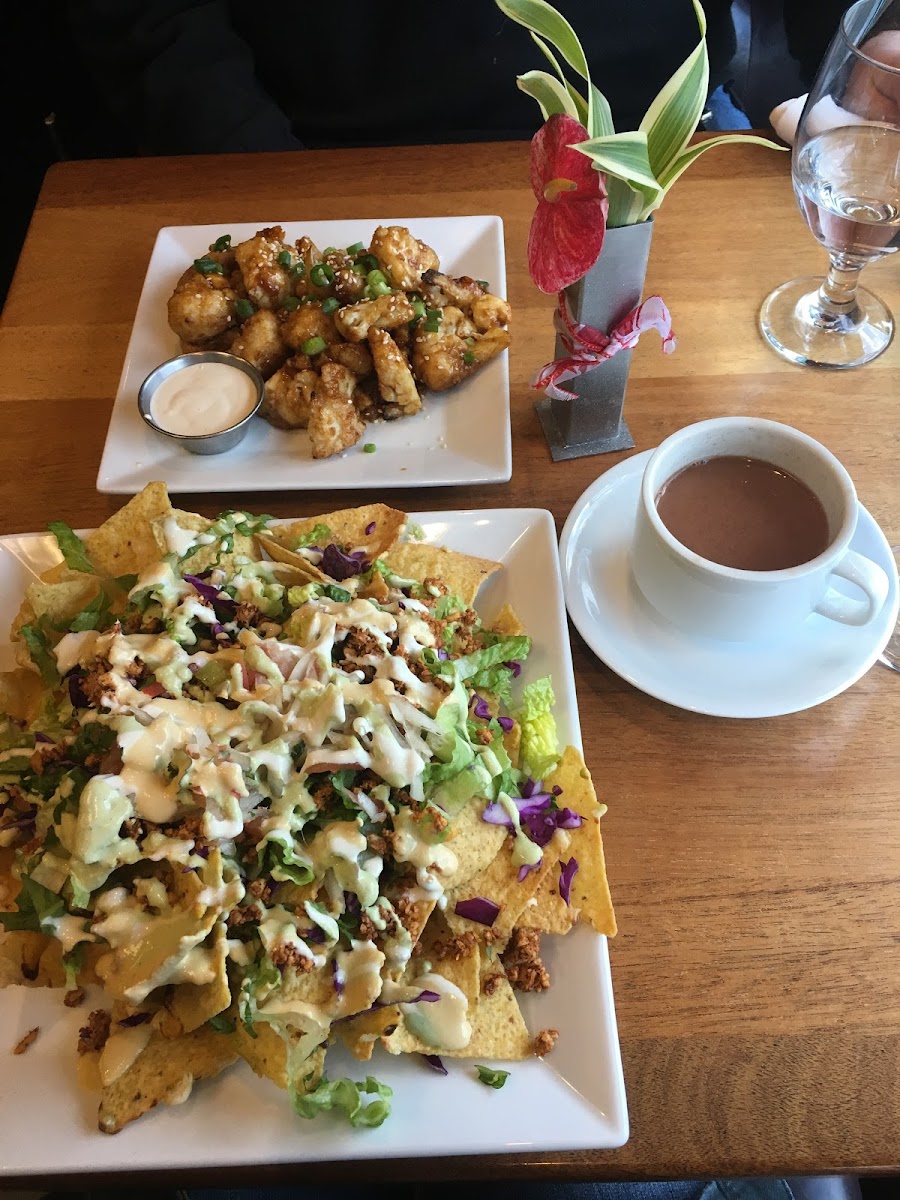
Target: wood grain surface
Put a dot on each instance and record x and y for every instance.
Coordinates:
(755, 865)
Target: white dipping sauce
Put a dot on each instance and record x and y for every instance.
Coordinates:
(203, 398)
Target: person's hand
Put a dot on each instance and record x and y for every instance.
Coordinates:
(871, 95)
(875, 94)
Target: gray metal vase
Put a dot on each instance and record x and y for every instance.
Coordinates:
(593, 423)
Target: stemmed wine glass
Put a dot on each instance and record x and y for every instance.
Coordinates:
(846, 174)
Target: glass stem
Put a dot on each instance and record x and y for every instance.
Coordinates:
(837, 308)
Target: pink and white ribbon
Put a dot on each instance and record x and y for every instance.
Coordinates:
(588, 348)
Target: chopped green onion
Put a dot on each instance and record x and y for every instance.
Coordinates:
(433, 318)
(321, 275)
(366, 263)
(222, 243)
(285, 258)
(298, 269)
(375, 277)
(369, 448)
(356, 248)
(329, 305)
(244, 309)
(492, 1078)
(483, 283)
(291, 303)
(208, 266)
(469, 357)
(419, 309)
(313, 345)
(329, 250)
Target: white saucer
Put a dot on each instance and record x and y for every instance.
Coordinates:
(723, 679)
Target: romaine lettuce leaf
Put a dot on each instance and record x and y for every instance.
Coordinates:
(71, 547)
(505, 650)
(347, 1097)
(38, 907)
(540, 743)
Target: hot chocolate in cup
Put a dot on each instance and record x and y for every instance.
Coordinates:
(731, 603)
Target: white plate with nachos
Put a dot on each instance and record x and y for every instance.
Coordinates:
(457, 436)
(359, 884)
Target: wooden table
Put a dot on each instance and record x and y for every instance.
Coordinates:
(755, 865)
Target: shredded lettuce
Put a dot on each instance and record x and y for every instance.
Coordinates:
(38, 643)
(282, 863)
(540, 743)
(347, 1097)
(447, 605)
(71, 547)
(319, 535)
(38, 908)
(506, 649)
(491, 1077)
(258, 976)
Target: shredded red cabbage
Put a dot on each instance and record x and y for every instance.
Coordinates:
(525, 868)
(442, 654)
(138, 1018)
(42, 737)
(338, 565)
(485, 912)
(336, 977)
(567, 872)
(315, 935)
(77, 694)
(536, 817)
(506, 724)
(222, 603)
(515, 667)
(351, 902)
(481, 709)
(370, 528)
(434, 1061)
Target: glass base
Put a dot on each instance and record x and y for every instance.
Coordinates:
(793, 325)
(890, 655)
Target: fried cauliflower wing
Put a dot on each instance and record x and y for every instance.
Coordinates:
(334, 423)
(395, 379)
(308, 321)
(309, 254)
(441, 360)
(202, 307)
(387, 312)
(485, 309)
(260, 342)
(267, 281)
(403, 257)
(289, 393)
(354, 356)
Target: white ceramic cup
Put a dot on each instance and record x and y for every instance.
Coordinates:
(703, 597)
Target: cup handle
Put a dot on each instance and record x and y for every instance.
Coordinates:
(869, 578)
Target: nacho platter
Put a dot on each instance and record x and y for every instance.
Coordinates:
(580, 1082)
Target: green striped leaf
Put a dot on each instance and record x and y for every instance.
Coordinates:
(673, 116)
(600, 122)
(541, 18)
(692, 153)
(624, 155)
(549, 93)
(577, 99)
(625, 204)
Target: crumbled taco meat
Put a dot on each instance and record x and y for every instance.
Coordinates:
(545, 1041)
(286, 955)
(93, 1035)
(522, 960)
(490, 983)
(28, 1040)
(457, 947)
(248, 615)
(74, 997)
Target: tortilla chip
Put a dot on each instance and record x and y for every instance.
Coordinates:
(376, 589)
(507, 623)
(267, 1054)
(512, 743)
(164, 1073)
(475, 842)
(51, 972)
(125, 543)
(192, 1005)
(21, 692)
(499, 882)
(203, 557)
(463, 574)
(361, 1032)
(463, 969)
(499, 1031)
(372, 528)
(307, 572)
(590, 889)
(21, 951)
(549, 913)
(61, 601)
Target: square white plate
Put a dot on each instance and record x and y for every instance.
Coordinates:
(460, 436)
(572, 1100)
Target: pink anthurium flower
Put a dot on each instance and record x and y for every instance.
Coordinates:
(569, 223)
